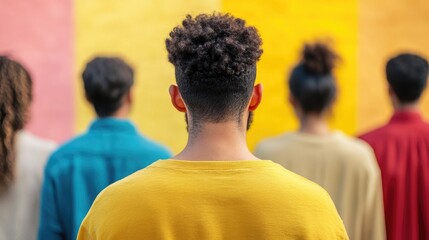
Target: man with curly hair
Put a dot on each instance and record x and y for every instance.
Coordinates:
(215, 188)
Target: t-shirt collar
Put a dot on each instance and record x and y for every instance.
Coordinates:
(113, 124)
(406, 116)
(212, 165)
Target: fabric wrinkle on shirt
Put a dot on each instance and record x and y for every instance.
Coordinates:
(402, 150)
(210, 200)
(81, 168)
(344, 166)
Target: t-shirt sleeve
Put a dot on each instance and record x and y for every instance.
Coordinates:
(86, 229)
(92, 226)
(326, 219)
(340, 230)
(84, 233)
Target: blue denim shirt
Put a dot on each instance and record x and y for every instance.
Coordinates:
(74, 175)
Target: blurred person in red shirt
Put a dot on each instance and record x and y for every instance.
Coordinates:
(402, 150)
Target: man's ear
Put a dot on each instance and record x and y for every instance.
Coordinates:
(292, 100)
(390, 91)
(129, 96)
(87, 98)
(392, 94)
(256, 98)
(176, 98)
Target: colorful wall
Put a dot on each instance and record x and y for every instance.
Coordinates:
(55, 39)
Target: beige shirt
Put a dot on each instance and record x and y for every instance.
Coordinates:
(19, 205)
(345, 167)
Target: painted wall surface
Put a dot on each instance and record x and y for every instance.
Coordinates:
(39, 34)
(385, 29)
(136, 30)
(284, 27)
(55, 39)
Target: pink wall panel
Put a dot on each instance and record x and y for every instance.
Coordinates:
(39, 33)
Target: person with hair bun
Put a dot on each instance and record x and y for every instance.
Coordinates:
(342, 165)
(22, 155)
(110, 150)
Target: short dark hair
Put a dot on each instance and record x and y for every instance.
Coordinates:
(407, 75)
(106, 81)
(311, 82)
(215, 62)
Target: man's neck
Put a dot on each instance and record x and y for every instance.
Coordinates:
(121, 113)
(314, 124)
(217, 142)
(406, 107)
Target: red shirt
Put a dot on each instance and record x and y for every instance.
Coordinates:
(402, 151)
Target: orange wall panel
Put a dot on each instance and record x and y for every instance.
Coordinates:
(385, 29)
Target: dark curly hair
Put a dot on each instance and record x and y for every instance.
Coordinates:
(312, 83)
(407, 75)
(106, 81)
(15, 99)
(215, 59)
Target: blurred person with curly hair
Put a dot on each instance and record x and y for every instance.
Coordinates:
(215, 188)
(22, 155)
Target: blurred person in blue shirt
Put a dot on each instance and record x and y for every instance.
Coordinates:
(110, 150)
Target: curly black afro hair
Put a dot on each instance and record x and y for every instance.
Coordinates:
(215, 59)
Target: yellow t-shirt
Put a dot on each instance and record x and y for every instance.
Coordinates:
(174, 199)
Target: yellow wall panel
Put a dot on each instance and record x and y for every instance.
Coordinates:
(385, 29)
(136, 30)
(284, 26)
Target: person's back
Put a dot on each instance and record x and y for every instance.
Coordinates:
(402, 150)
(110, 150)
(19, 205)
(215, 188)
(178, 199)
(345, 167)
(22, 155)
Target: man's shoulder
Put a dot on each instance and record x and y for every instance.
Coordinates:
(303, 200)
(302, 187)
(392, 131)
(121, 190)
(355, 148)
(69, 148)
(315, 206)
(281, 180)
(151, 146)
(39, 147)
(272, 144)
(73, 143)
(285, 191)
(375, 133)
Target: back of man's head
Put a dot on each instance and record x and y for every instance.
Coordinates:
(407, 76)
(215, 61)
(106, 81)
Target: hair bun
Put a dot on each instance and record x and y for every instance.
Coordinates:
(318, 58)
